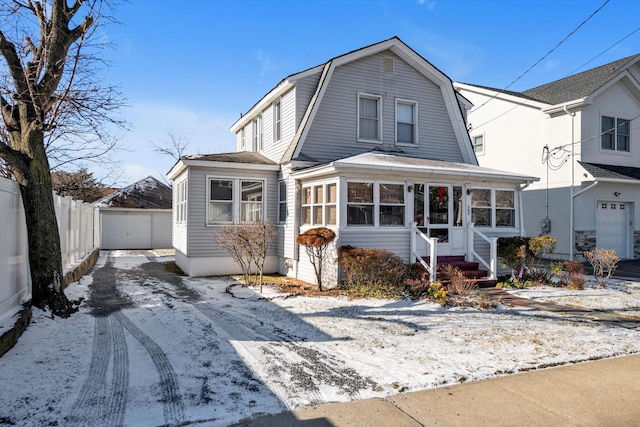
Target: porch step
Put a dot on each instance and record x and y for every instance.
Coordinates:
(470, 270)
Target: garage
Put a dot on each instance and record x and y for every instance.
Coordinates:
(135, 230)
(612, 227)
(135, 217)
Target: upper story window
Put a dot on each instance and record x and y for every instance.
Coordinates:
(277, 121)
(181, 202)
(615, 134)
(406, 114)
(235, 200)
(489, 207)
(257, 134)
(478, 144)
(369, 123)
(242, 139)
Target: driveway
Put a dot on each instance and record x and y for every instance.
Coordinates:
(150, 348)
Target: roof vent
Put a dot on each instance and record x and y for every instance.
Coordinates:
(388, 64)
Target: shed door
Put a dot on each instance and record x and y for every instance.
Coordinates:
(612, 227)
(126, 230)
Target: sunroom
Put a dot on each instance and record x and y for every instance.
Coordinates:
(418, 209)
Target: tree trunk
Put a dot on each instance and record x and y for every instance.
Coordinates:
(45, 259)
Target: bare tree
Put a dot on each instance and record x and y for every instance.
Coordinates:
(175, 147)
(248, 244)
(54, 110)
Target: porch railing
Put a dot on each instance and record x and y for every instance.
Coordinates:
(431, 250)
(492, 265)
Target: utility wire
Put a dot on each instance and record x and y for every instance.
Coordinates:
(605, 51)
(543, 57)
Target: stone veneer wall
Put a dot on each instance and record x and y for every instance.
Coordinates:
(585, 240)
(636, 244)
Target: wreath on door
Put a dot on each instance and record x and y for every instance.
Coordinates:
(439, 197)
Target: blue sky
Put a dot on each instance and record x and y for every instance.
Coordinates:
(191, 67)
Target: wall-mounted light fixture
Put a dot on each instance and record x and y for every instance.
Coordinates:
(410, 188)
(616, 193)
(469, 191)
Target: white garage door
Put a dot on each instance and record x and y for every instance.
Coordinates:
(612, 227)
(136, 230)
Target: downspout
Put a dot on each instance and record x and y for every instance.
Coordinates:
(297, 189)
(520, 190)
(572, 234)
(573, 196)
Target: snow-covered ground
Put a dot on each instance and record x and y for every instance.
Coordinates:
(171, 350)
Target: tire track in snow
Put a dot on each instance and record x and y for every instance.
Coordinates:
(172, 405)
(99, 400)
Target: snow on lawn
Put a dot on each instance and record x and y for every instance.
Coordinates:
(621, 297)
(205, 351)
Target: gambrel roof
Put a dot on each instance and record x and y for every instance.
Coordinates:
(395, 45)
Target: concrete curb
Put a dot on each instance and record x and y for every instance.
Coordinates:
(81, 269)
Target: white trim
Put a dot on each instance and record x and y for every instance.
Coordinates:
(378, 99)
(184, 163)
(277, 125)
(236, 199)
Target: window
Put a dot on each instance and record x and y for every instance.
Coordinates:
(319, 204)
(282, 202)
(181, 202)
(242, 138)
(277, 123)
(375, 204)
(505, 208)
(501, 210)
(478, 144)
(369, 123)
(406, 122)
(257, 134)
(251, 201)
(220, 200)
(235, 200)
(360, 203)
(330, 205)
(615, 134)
(391, 204)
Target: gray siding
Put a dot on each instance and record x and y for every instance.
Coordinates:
(305, 88)
(396, 241)
(202, 238)
(333, 132)
(275, 149)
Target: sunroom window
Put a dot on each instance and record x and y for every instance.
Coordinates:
(319, 204)
(489, 207)
(220, 200)
(391, 204)
(360, 204)
(505, 208)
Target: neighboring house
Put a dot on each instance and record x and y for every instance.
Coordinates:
(372, 144)
(580, 135)
(135, 217)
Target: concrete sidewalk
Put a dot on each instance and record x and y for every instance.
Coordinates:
(600, 393)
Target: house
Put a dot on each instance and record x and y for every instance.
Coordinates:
(580, 135)
(372, 144)
(135, 217)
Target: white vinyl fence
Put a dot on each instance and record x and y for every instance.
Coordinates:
(75, 224)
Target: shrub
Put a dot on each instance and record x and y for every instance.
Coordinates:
(513, 251)
(604, 263)
(457, 283)
(375, 267)
(572, 276)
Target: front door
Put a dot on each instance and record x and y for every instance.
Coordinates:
(439, 213)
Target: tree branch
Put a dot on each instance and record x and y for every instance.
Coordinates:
(8, 51)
